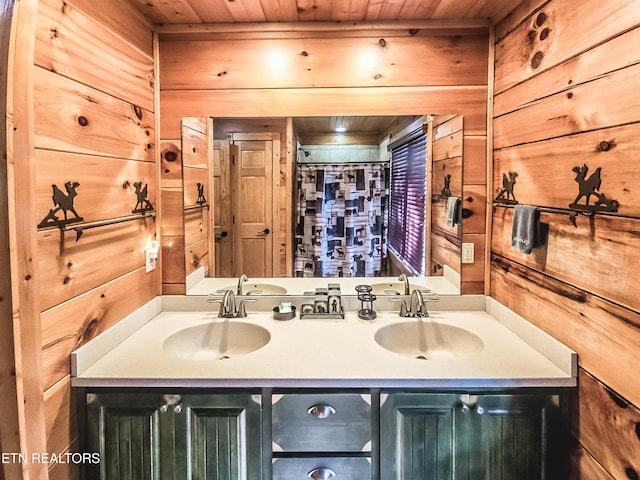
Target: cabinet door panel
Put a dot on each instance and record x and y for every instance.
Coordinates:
(124, 429)
(224, 436)
(416, 435)
(513, 435)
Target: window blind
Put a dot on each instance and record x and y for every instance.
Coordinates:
(408, 197)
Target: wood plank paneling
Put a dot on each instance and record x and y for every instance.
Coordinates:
(593, 256)
(619, 52)
(605, 335)
(582, 465)
(99, 196)
(61, 416)
(594, 105)
(197, 256)
(564, 90)
(25, 417)
(472, 274)
(313, 62)
(73, 117)
(550, 163)
(608, 427)
(88, 263)
(79, 47)
(420, 13)
(70, 325)
(474, 209)
(549, 36)
(467, 100)
(123, 18)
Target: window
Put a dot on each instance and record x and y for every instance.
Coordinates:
(408, 196)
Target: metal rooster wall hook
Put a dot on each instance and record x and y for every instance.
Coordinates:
(144, 205)
(506, 195)
(202, 200)
(446, 190)
(588, 187)
(62, 201)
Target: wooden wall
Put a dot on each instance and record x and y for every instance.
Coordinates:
(567, 77)
(446, 240)
(83, 110)
(282, 72)
(186, 241)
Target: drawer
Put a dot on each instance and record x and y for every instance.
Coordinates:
(321, 423)
(322, 468)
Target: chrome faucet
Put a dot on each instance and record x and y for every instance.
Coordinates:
(228, 307)
(404, 279)
(243, 278)
(417, 304)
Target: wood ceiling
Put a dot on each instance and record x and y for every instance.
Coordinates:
(253, 11)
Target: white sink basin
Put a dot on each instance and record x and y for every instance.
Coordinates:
(425, 339)
(257, 289)
(216, 340)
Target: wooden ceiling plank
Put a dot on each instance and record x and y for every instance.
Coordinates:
(280, 10)
(213, 11)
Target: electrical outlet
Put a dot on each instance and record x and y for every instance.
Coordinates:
(151, 256)
(467, 252)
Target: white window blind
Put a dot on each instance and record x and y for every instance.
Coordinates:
(408, 197)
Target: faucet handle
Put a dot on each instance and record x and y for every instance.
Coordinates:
(403, 305)
(217, 300)
(242, 309)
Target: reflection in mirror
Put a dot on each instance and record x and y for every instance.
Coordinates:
(351, 205)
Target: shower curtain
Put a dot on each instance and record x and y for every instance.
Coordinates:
(342, 220)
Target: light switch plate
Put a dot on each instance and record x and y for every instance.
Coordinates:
(467, 253)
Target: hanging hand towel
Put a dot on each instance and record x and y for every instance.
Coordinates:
(525, 233)
(453, 211)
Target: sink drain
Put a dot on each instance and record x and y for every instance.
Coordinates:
(422, 357)
(224, 357)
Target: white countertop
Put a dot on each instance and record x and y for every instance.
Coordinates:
(323, 353)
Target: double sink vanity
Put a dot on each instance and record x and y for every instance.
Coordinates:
(468, 390)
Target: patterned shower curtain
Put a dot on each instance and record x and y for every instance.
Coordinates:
(342, 220)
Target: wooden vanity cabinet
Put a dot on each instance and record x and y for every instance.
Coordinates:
(174, 436)
(300, 434)
(468, 437)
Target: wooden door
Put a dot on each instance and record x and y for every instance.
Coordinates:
(253, 162)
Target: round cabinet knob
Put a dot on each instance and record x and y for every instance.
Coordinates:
(465, 408)
(480, 410)
(321, 473)
(266, 231)
(164, 408)
(321, 411)
(177, 408)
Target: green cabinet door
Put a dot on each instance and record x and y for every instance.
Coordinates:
(174, 437)
(506, 437)
(416, 436)
(464, 437)
(224, 436)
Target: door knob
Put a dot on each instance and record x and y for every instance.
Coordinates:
(266, 231)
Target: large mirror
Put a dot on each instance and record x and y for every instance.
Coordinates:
(328, 197)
